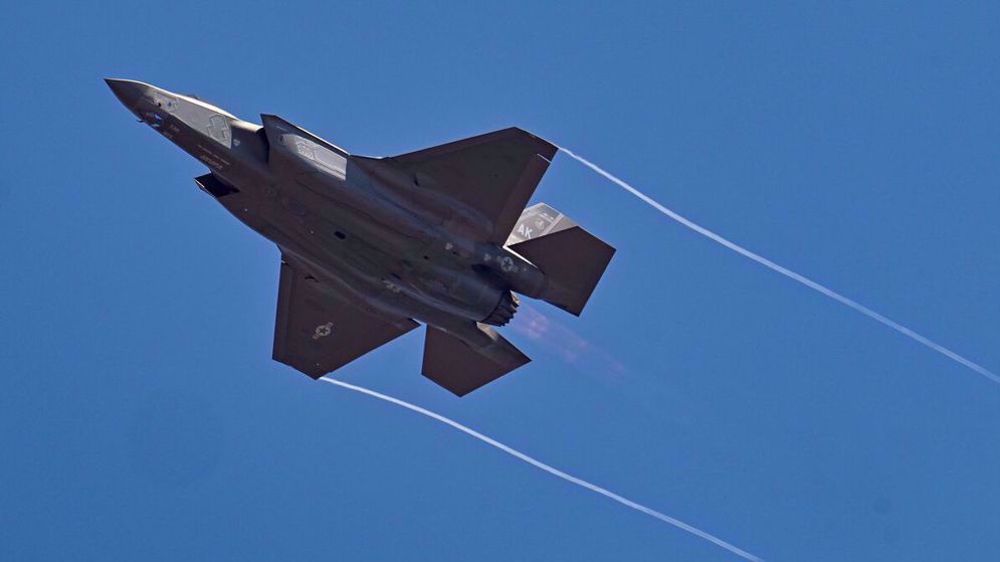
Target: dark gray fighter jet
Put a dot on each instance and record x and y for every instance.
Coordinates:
(370, 246)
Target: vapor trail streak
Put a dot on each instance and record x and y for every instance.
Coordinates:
(551, 470)
(788, 273)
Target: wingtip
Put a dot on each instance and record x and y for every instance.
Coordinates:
(548, 149)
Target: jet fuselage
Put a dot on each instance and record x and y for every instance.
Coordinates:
(357, 227)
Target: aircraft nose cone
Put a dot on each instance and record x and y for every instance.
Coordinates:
(129, 92)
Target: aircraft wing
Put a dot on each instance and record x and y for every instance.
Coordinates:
(317, 331)
(494, 174)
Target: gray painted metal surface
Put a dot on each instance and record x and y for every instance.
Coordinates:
(371, 246)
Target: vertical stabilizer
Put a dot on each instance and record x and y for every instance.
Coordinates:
(572, 259)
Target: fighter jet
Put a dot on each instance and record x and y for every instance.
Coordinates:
(372, 246)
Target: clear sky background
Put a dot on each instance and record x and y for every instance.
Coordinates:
(141, 417)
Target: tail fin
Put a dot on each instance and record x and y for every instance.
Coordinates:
(462, 364)
(572, 259)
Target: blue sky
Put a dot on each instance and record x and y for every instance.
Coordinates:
(142, 417)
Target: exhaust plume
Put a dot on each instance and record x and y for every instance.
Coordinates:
(561, 341)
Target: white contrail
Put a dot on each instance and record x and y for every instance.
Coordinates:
(789, 273)
(551, 470)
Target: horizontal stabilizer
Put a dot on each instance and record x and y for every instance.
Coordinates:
(460, 368)
(572, 259)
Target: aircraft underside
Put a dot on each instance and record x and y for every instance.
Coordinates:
(371, 246)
